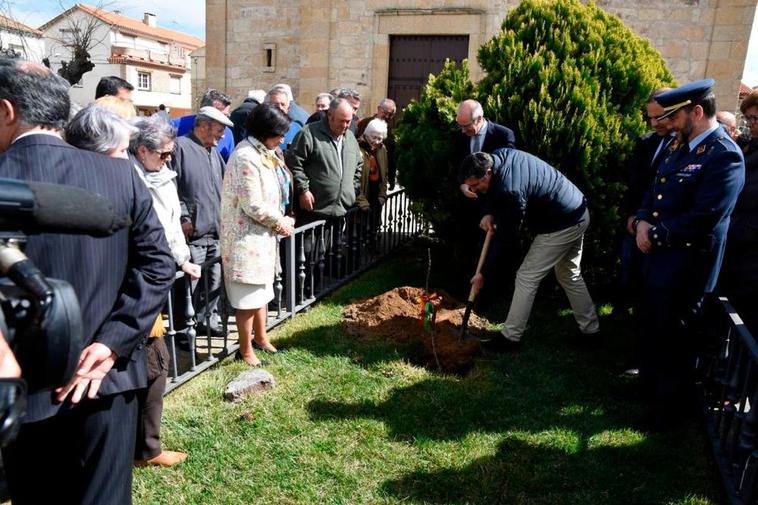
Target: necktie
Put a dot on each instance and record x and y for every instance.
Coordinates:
(477, 144)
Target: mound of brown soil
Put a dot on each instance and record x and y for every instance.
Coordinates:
(397, 316)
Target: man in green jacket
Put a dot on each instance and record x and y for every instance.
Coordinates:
(326, 164)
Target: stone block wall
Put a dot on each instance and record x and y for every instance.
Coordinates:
(320, 45)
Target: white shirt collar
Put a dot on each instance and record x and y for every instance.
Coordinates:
(51, 133)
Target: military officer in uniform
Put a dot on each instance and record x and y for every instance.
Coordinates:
(681, 228)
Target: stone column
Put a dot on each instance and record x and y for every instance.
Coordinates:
(215, 44)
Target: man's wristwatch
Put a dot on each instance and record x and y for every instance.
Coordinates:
(635, 223)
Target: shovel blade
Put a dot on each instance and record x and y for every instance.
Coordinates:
(466, 317)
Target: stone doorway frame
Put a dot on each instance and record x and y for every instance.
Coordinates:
(464, 21)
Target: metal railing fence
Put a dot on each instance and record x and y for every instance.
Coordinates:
(728, 389)
(317, 259)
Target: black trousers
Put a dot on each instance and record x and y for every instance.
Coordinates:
(83, 456)
(670, 312)
(148, 444)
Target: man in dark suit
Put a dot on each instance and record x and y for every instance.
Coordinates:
(681, 227)
(77, 443)
(477, 134)
(649, 150)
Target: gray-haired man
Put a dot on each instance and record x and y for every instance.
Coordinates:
(200, 172)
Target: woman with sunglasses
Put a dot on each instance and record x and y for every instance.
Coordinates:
(149, 151)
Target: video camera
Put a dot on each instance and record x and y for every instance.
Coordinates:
(40, 317)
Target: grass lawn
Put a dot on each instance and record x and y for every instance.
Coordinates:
(352, 423)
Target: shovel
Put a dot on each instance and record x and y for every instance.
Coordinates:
(474, 291)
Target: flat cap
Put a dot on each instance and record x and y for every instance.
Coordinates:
(673, 100)
(215, 114)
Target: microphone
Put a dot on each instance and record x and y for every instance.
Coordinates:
(41, 207)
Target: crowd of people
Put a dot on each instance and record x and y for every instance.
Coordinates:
(227, 184)
(217, 184)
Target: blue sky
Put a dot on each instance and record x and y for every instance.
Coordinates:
(183, 15)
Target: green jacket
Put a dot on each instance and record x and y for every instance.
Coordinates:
(312, 158)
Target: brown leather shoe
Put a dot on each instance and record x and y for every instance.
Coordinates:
(165, 458)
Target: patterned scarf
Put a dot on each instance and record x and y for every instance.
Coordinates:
(272, 161)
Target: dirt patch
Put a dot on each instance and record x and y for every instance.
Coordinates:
(395, 316)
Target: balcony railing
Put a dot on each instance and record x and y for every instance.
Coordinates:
(317, 259)
(159, 57)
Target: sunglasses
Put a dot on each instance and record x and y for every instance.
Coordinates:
(164, 154)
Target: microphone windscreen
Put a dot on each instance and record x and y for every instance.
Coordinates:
(69, 209)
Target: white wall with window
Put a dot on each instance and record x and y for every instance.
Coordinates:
(27, 45)
(159, 69)
(143, 81)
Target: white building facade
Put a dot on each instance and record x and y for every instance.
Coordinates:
(24, 41)
(155, 60)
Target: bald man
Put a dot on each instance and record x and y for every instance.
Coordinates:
(477, 134)
(729, 122)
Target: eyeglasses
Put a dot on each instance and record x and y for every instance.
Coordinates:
(164, 154)
(389, 114)
(469, 125)
(750, 118)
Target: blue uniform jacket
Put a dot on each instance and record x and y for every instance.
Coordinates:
(691, 199)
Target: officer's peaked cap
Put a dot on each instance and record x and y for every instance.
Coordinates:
(675, 99)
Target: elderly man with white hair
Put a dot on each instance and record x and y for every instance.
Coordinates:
(200, 172)
(279, 96)
(373, 192)
(296, 113)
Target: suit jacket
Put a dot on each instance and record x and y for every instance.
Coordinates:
(739, 274)
(121, 281)
(689, 204)
(641, 168)
(497, 137)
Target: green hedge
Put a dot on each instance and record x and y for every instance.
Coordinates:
(571, 80)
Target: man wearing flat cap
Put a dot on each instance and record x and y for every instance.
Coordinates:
(200, 172)
(681, 228)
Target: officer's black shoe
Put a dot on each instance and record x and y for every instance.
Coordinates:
(495, 342)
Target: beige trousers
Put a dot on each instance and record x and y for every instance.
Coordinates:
(562, 252)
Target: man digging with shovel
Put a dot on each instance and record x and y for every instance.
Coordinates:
(521, 188)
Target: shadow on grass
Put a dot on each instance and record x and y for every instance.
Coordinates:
(567, 438)
(331, 340)
(588, 472)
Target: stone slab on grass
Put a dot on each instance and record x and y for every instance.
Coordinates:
(252, 382)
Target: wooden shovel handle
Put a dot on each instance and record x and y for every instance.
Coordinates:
(482, 256)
